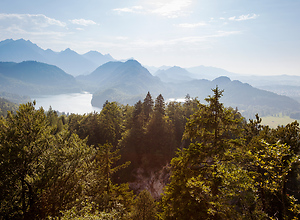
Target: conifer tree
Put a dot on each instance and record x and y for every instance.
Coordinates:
(148, 107)
(144, 207)
(201, 172)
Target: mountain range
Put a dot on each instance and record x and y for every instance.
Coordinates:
(68, 60)
(129, 81)
(287, 85)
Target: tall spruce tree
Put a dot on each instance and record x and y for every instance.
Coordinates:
(148, 107)
(203, 173)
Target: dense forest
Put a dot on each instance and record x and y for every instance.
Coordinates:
(152, 160)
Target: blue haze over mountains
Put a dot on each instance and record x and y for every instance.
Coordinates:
(26, 69)
(68, 60)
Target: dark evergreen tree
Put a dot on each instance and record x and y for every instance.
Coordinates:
(147, 107)
(111, 124)
(144, 207)
(159, 137)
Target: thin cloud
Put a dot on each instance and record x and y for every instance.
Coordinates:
(166, 8)
(243, 17)
(192, 25)
(133, 9)
(33, 20)
(21, 33)
(171, 8)
(31, 26)
(83, 22)
(183, 40)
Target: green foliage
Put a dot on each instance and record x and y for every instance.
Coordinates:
(47, 170)
(231, 170)
(111, 122)
(100, 128)
(42, 171)
(201, 172)
(144, 207)
(58, 167)
(86, 212)
(23, 144)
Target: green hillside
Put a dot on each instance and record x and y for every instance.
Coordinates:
(6, 105)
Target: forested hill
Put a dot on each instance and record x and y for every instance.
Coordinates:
(125, 82)
(32, 78)
(6, 105)
(15, 98)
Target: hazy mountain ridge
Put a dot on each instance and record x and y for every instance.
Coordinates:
(287, 85)
(35, 78)
(68, 60)
(174, 74)
(208, 72)
(128, 82)
(237, 94)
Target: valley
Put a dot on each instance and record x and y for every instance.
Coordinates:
(149, 110)
(31, 72)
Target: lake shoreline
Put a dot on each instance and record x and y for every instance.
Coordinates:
(76, 103)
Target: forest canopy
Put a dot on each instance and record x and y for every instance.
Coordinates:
(152, 160)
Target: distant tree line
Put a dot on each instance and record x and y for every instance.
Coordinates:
(79, 166)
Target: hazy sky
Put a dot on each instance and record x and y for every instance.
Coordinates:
(242, 36)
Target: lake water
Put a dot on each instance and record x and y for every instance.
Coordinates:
(78, 103)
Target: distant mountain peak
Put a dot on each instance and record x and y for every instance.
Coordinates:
(67, 50)
(177, 68)
(93, 52)
(133, 61)
(222, 80)
(22, 39)
(109, 56)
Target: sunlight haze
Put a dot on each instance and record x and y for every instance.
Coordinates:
(259, 37)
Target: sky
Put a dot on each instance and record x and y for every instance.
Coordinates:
(259, 37)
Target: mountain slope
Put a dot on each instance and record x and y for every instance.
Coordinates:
(20, 50)
(174, 74)
(32, 78)
(72, 62)
(101, 74)
(124, 82)
(210, 73)
(97, 57)
(68, 60)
